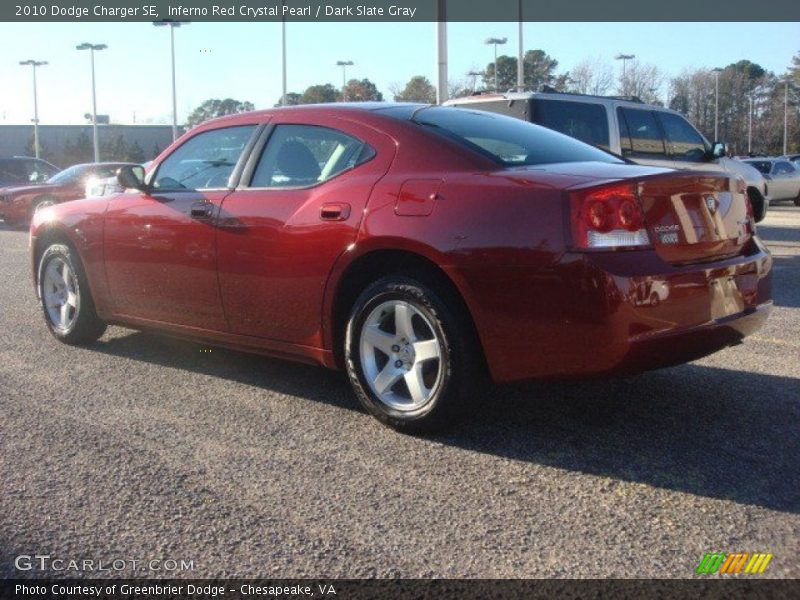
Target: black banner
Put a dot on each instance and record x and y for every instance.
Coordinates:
(399, 10)
(400, 589)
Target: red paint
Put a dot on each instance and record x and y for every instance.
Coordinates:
(263, 272)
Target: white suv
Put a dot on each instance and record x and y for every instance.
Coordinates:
(646, 134)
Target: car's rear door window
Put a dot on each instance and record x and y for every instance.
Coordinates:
(582, 120)
(205, 161)
(782, 168)
(685, 143)
(305, 155)
(640, 134)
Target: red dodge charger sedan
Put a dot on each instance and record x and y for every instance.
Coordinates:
(418, 247)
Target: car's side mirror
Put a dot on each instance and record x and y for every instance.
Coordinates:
(718, 150)
(132, 177)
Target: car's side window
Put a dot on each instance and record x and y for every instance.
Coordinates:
(644, 138)
(305, 155)
(582, 120)
(684, 140)
(205, 161)
(782, 168)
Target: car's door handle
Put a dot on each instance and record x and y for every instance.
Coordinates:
(202, 210)
(334, 211)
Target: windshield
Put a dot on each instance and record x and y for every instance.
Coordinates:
(509, 141)
(68, 175)
(762, 165)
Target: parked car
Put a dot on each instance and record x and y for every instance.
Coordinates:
(22, 170)
(17, 204)
(643, 133)
(416, 247)
(784, 177)
(106, 186)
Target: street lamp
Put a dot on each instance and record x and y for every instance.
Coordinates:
(474, 75)
(172, 25)
(624, 58)
(92, 48)
(344, 64)
(495, 42)
(717, 71)
(520, 53)
(750, 126)
(34, 64)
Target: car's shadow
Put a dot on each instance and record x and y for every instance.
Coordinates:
(716, 432)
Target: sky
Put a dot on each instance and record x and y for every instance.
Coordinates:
(243, 60)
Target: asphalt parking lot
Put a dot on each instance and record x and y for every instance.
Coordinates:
(143, 447)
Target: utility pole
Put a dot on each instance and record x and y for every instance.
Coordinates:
(441, 51)
(92, 48)
(34, 64)
(520, 55)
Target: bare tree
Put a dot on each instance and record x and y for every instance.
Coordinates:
(642, 80)
(592, 76)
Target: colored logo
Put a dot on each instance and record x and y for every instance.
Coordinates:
(739, 562)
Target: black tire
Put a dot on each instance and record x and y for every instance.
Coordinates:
(797, 200)
(460, 370)
(85, 326)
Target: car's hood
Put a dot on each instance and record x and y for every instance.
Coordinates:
(29, 189)
(749, 173)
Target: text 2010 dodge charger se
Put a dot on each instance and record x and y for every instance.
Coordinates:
(418, 247)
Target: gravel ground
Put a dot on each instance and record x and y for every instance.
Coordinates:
(142, 447)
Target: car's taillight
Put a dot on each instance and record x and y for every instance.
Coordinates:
(608, 217)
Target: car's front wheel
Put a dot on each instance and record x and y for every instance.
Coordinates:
(67, 304)
(408, 355)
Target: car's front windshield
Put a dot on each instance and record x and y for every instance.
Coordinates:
(509, 141)
(67, 175)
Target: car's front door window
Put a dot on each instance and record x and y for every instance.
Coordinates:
(685, 143)
(205, 161)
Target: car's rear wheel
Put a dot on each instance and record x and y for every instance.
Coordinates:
(67, 303)
(408, 356)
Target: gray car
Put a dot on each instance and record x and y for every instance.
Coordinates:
(783, 175)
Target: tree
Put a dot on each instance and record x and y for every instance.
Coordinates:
(362, 91)
(319, 94)
(592, 76)
(418, 89)
(292, 99)
(641, 80)
(794, 70)
(81, 151)
(44, 149)
(214, 107)
(538, 70)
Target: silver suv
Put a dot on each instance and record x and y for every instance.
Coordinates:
(646, 134)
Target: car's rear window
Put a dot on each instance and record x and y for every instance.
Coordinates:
(509, 141)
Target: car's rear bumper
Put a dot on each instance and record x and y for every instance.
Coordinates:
(614, 313)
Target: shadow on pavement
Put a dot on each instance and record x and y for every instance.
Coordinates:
(709, 431)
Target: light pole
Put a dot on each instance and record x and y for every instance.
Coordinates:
(344, 64)
(34, 64)
(92, 48)
(624, 58)
(717, 71)
(172, 25)
(785, 116)
(520, 54)
(495, 42)
(750, 126)
(474, 75)
(441, 51)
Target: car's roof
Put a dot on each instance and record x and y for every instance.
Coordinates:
(628, 101)
(344, 108)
